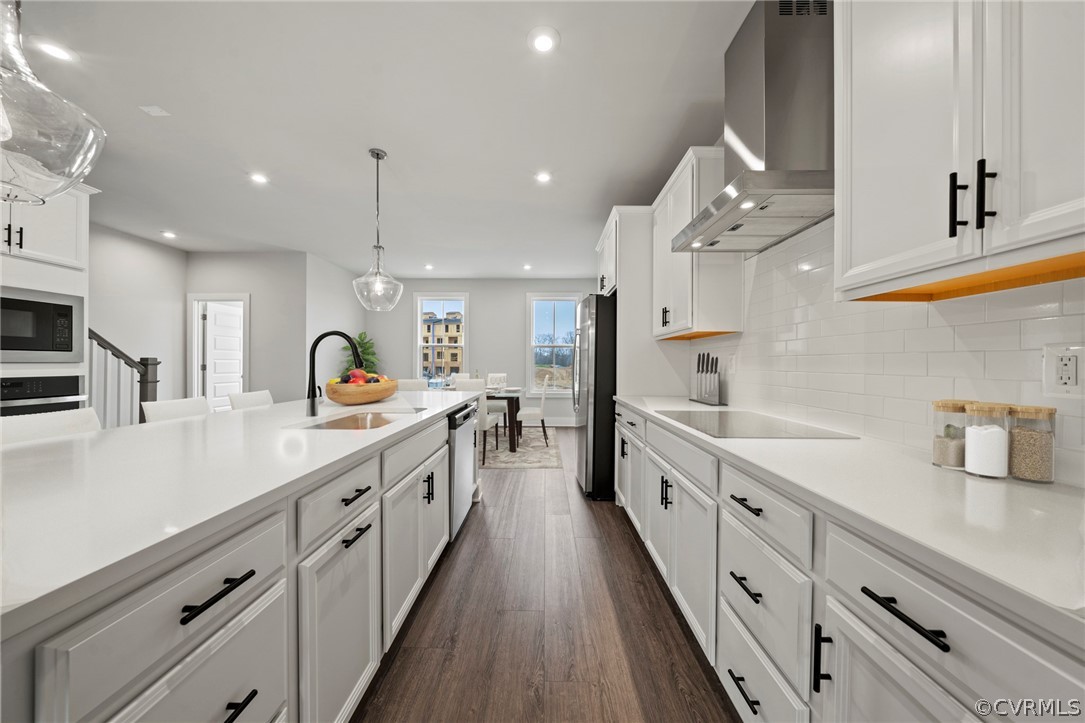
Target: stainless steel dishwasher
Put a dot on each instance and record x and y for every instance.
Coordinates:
(462, 464)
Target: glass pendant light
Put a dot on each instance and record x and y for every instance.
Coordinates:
(47, 145)
(376, 289)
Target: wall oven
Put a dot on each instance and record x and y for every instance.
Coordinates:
(33, 395)
(40, 326)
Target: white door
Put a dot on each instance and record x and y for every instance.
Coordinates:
(661, 269)
(681, 199)
(401, 507)
(693, 572)
(1034, 112)
(435, 512)
(54, 232)
(658, 496)
(339, 602)
(907, 115)
(635, 495)
(223, 349)
(872, 682)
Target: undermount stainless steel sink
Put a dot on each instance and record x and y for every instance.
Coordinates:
(363, 420)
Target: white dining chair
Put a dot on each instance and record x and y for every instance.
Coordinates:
(176, 409)
(248, 400)
(533, 413)
(498, 406)
(470, 385)
(412, 385)
(486, 422)
(458, 377)
(46, 425)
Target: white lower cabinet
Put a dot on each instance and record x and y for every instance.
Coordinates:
(435, 510)
(621, 467)
(693, 567)
(872, 682)
(239, 674)
(339, 601)
(658, 513)
(635, 491)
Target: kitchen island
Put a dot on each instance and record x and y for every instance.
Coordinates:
(113, 524)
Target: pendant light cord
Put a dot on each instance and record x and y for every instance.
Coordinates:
(378, 201)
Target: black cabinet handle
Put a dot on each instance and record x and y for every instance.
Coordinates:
(236, 708)
(666, 313)
(954, 188)
(755, 596)
(602, 281)
(662, 489)
(744, 501)
(631, 424)
(819, 639)
(667, 501)
(982, 214)
(622, 452)
(19, 233)
(428, 494)
(348, 501)
(191, 612)
(617, 414)
(934, 637)
(361, 531)
(7, 235)
(738, 684)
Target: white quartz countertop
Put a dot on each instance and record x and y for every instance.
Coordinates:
(1027, 540)
(74, 506)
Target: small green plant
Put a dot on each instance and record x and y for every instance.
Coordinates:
(367, 349)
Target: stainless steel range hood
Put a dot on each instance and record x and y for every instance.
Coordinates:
(778, 115)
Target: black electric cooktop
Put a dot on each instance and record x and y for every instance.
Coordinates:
(735, 424)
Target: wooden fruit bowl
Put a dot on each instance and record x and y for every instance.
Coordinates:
(360, 393)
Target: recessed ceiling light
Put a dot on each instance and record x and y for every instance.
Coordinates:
(429, 267)
(543, 39)
(543, 177)
(805, 267)
(169, 234)
(747, 204)
(58, 52)
(527, 267)
(258, 178)
(696, 244)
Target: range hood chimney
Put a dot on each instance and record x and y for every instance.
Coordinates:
(778, 115)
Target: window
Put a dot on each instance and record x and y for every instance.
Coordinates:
(438, 353)
(552, 321)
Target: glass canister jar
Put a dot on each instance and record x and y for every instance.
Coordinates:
(987, 439)
(1032, 443)
(950, 421)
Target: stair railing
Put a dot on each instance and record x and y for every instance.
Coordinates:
(118, 383)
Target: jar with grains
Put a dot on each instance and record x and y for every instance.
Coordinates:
(1032, 443)
(950, 421)
(987, 440)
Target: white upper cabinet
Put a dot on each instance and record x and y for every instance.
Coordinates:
(55, 233)
(693, 295)
(606, 252)
(930, 96)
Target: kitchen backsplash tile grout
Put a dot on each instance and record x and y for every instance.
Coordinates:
(872, 368)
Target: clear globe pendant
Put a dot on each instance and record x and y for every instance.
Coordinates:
(47, 145)
(376, 289)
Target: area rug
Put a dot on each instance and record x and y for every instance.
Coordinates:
(531, 451)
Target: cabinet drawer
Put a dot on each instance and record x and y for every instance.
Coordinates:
(410, 453)
(776, 611)
(701, 467)
(337, 499)
(85, 665)
(244, 664)
(781, 521)
(986, 657)
(765, 694)
(630, 421)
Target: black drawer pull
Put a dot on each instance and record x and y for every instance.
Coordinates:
(361, 531)
(236, 708)
(428, 494)
(667, 501)
(19, 243)
(7, 235)
(738, 684)
(755, 511)
(662, 489)
(934, 637)
(755, 596)
(348, 501)
(819, 639)
(954, 188)
(191, 612)
(982, 214)
(631, 424)
(622, 452)
(617, 414)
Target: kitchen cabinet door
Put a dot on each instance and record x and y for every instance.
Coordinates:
(872, 681)
(621, 468)
(1034, 112)
(403, 573)
(435, 510)
(56, 232)
(6, 227)
(339, 604)
(693, 573)
(635, 494)
(607, 257)
(907, 117)
(657, 489)
(681, 201)
(661, 277)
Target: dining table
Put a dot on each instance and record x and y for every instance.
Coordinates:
(511, 397)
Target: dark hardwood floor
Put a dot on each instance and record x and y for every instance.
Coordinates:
(545, 608)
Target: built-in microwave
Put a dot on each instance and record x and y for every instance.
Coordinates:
(40, 326)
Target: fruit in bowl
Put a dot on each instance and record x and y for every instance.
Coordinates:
(358, 386)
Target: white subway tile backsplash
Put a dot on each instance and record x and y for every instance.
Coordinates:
(936, 339)
(1030, 302)
(987, 390)
(913, 411)
(1037, 332)
(956, 364)
(884, 385)
(928, 388)
(955, 312)
(906, 316)
(1073, 296)
(994, 336)
(1024, 365)
(914, 364)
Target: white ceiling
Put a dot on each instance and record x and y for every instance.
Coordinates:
(466, 110)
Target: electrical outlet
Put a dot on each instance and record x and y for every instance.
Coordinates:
(1063, 370)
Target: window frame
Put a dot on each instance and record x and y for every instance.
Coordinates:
(529, 365)
(420, 297)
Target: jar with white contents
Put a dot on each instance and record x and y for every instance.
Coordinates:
(987, 440)
(1032, 443)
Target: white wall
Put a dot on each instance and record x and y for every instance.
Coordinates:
(330, 304)
(276, 284)
(873, 368)
(137, 301)
(496, 328)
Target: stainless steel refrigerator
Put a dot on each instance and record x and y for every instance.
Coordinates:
(593, 394)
